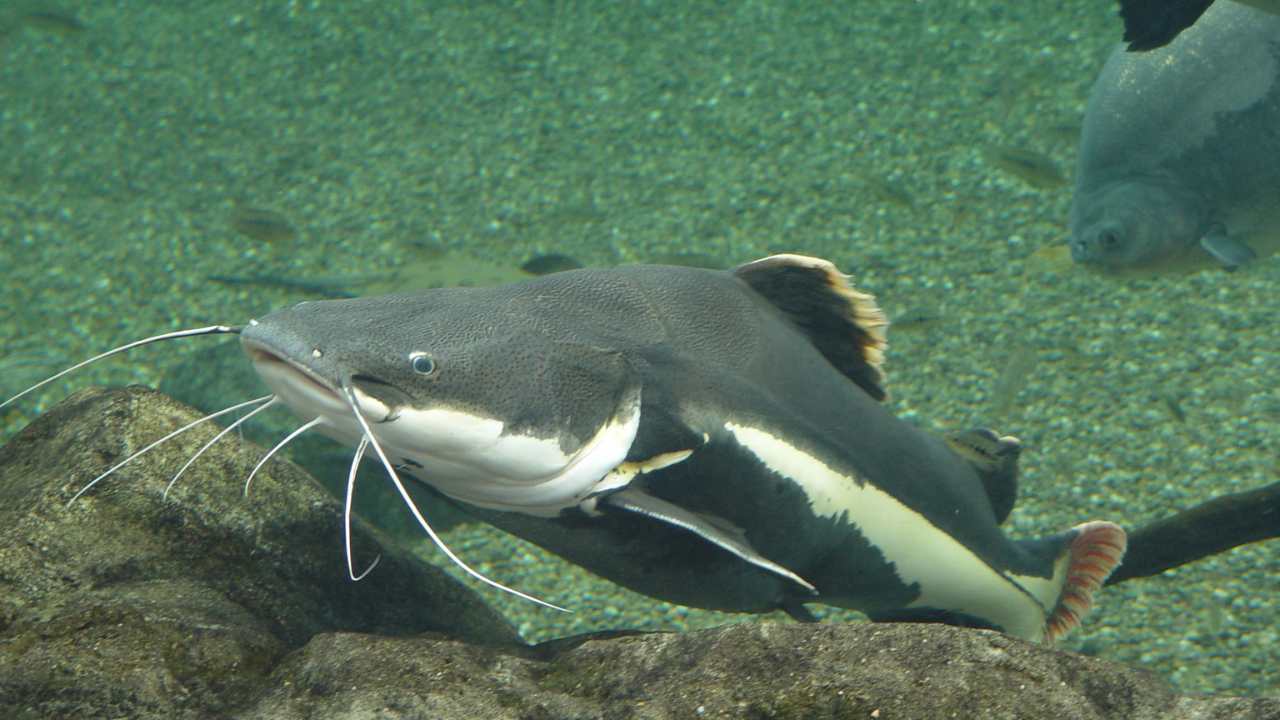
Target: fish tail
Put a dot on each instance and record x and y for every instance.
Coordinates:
(1090, 553)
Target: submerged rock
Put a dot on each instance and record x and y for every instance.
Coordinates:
(207, 605)
(749, 670)
(129, 605)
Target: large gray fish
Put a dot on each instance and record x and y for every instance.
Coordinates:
(712, 438)
(1180, 155)
(708, 437)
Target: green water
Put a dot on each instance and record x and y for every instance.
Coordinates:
(386, 132)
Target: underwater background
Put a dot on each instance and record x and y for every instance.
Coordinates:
(168, 165)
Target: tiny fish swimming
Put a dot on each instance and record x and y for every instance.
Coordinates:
(708, 437)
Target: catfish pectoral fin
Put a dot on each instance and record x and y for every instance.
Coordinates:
(714, 530)
(1229, 251)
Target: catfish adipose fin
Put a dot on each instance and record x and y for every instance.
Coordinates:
(712, 438)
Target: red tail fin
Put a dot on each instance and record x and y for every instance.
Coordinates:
(1095, 551)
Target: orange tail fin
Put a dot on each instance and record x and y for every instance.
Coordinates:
(1096, 550)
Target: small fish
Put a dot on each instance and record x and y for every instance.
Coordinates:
(53, 20)
(1064, 132)
(1173, 406)
(333, 289)
(262, 225)
(1013, 378)
(1036, 169)
(1050, 257)
(432, 269)
(549, 263)
(891, 191)
(686, 258)
(17, 370)
(914, 318)
(585, 213)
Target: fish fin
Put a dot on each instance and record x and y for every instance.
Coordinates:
(715, 530)
(626, 472)
(1094, 550)
(1225, 249)
(845, 325)
(1149, 24)
(995, 459)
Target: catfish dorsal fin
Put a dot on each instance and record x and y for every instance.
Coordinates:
(845, 325)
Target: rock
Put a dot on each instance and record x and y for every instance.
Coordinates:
(210, 606)
(128, 605)
(749, 670)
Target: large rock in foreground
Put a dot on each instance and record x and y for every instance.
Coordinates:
(126, 604)
(750, 670)
(206, 605)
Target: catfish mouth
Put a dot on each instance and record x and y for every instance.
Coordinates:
(275, 363)
(306, 391)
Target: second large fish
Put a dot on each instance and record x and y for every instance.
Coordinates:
(1180, 156)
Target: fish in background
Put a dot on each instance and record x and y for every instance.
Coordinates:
(39, 16)
(1150, 24)
(1179, 164)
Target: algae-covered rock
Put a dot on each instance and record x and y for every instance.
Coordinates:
(129, 605)
(750, 670)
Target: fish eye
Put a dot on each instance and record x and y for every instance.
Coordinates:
(422, 363)
(1109, 238)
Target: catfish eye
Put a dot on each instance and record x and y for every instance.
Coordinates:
(422, 363)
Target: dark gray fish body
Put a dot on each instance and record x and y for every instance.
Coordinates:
(1180, 155)
(712, 438)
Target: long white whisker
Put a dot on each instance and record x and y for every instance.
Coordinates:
(350, 395)
(171, 435)
(287, 439)
(207, 330)
(346, 513)
(270, 400)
